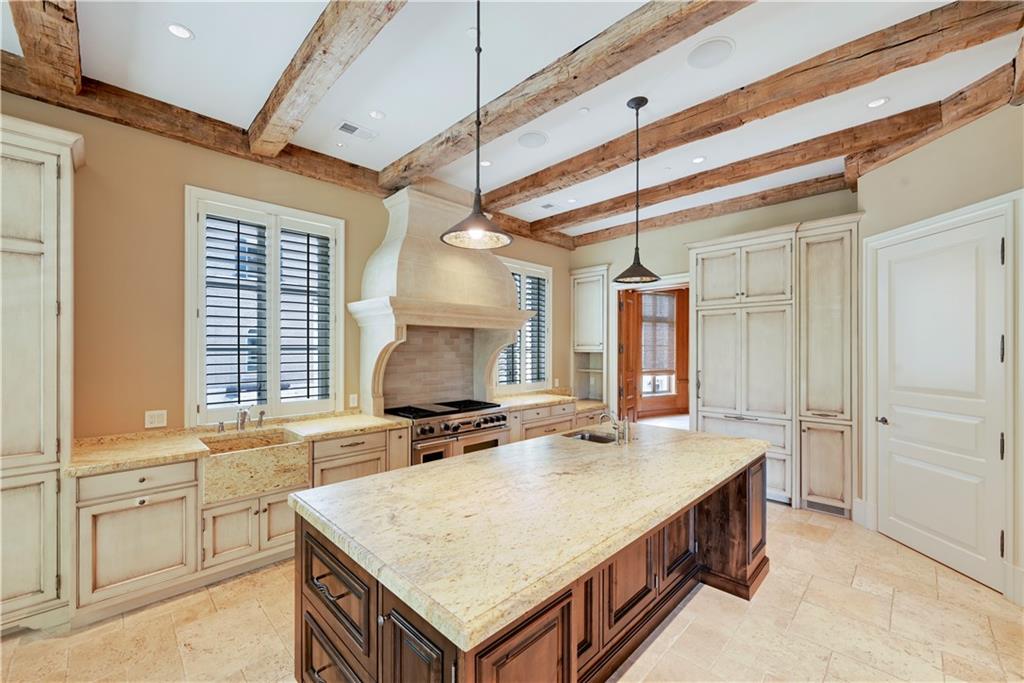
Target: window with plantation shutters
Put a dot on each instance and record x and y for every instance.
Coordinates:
(658, 341)
(266, 327)
(525, 364)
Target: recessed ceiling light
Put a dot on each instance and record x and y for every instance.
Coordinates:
(340, 144)
(485, 163)
(471, 32)
(179, 31)
(710, 53)
(533, 139)
(571, 201)
(584, 110)
(668, 168)
(698, 160)
(873, 104)
(378, 114)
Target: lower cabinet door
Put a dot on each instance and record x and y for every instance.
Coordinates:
(675, 549)
(125, 545)
(345, 467)
(630, 585)
(412, 649)
(826, 469)
(586, 620)
(230, 531)
(321, 659)
(541, 649)
(779, 471)
(277, 521)
(28, 514)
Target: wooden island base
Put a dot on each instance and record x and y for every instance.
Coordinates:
(349, 627)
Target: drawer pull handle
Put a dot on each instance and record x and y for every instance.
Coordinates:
(142, 480)
(142, 501)
(825, 414)
(316, 673)
(351, 445)
(264, 510)
(325, 591)
(256, 511)
(549, 430)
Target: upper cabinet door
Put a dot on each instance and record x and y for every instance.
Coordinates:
(589, 312)
(767, 367)
(826, 322)
(767, 272)
(28, 299)
(718, 360)
(718, 277)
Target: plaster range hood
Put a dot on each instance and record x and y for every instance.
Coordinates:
(415, 279)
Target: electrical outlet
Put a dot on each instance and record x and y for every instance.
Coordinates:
(156, 418)
(353, 400)
(557, 382)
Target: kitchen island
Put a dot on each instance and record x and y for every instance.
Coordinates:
(547, 559)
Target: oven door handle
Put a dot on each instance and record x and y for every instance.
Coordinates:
(434, 442)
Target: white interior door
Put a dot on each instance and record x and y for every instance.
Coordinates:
(941, 389)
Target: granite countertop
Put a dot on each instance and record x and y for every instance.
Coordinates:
(533, 400)
(98, 455)
(474, 542)
(585, 405)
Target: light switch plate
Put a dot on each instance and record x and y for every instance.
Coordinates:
(353, 400)
(556, 382)
(156, 418)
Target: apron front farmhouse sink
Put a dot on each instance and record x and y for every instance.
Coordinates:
(249, 464)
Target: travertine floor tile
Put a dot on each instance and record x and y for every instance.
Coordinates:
(760, 646)
(782, 589)
(849, 670)
(243, 635)
(274, 668)
(703, 640)
(850, 601)
(947, 627)
(970, 595)
(40, 660)
(806, 531)
(182, 608)
(672, 668)
(968, 670)
(883, 582)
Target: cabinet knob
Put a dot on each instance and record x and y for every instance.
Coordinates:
(142, 480)
(382, 619)
(264, 510)
(256, 512)
(141, 501)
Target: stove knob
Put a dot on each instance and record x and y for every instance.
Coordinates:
(501, 418)
(455, 427)
(479, 423)
(446, 426)
(431, 428)
(422, 431)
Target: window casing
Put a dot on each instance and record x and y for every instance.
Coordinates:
(526, 364)
(263, 289)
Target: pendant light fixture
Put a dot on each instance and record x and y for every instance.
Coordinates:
(476, 231)
(637, 273)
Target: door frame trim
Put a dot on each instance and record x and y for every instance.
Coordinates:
(666, 282)
(865, 509)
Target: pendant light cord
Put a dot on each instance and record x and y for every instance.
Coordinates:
(636, 244)
(478, 123)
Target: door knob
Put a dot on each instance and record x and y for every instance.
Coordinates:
(882, 420)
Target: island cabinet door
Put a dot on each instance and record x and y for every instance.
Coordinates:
(321, 657)
(676, 558)
(586, 617)
(412, 649)
(630, 585)
(540, 648)
(344, 593)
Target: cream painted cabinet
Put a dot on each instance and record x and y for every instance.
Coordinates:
(827, 468)
(28, 519)
(515, 426)
(826, 326)
(230, 531)
(399, 451)
(590, 311)
(766, 272)
(132, 543)
(345, 467)
(277, 521)
(717, 277)
(718, 360)
(766, 384)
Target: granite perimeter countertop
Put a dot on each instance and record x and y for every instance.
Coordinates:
(517, 401)
(98, 455)
(474, 542)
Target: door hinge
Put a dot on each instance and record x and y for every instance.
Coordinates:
(1002, 445)
(58, 445)
(58, 486)
(622, 348)
(197, 409)
(58, 168)
(1002, 544)
(620, 392)
(58, 585)
(1002, 251)
(203, 527)
(204, 554)
(1002, 348)
(58, 308)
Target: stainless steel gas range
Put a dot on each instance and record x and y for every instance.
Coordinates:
(442, 430)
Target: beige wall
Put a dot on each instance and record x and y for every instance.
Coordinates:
(129, 261)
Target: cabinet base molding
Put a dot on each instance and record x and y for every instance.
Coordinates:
(36, 618)
(742, 589)
(84, 616)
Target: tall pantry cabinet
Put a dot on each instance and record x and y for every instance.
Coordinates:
(35, 365)
(774, 314)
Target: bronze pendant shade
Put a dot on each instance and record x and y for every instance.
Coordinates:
(637, 273)
(476, 231)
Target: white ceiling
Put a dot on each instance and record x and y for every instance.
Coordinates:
(419, 72)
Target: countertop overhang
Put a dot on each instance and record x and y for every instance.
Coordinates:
(472, 543)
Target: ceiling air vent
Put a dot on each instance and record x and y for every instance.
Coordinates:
(547, 206)
(358, 131)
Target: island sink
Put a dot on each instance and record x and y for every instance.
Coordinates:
(595, 437)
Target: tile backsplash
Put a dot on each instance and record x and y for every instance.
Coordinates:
(433, 364)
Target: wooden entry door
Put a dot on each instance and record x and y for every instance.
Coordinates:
(629, 343)
(941, 391)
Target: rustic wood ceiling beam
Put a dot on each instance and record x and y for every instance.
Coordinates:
(1017, 97)
(651, 29)
(520, 228)
(755, 200)
(840, 143)
(921, 39)
(339, 36)
(969, 104)
(48, 34)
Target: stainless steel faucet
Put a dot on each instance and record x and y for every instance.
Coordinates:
(620, 427)
(259, 422)
(243, 417)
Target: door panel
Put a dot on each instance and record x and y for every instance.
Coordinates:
(230, 531)
(348, 467)
(718, 277)
(629, 354)
(588, 313)
(826, 451)
(28, 514)
(630, 585)
(586, 622)
(767, 272)
(277, 521)
(675, 547)
(539, 650)
(412, 649)
(767, 380)
(941, 387)
(718, 360)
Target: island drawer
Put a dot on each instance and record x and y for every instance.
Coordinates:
(547, 429)
(536, 413)
(322, 659)
(131, 482)
(351, 444)
(344, 594)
